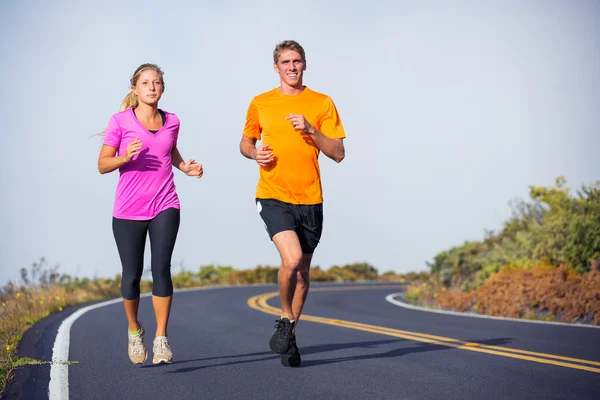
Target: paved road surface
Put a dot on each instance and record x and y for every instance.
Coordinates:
(354, 345)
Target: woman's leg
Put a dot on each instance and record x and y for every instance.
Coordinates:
(130, 237)
(163, 231)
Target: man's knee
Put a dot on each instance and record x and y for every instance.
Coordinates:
(303, 275)
(291, 263)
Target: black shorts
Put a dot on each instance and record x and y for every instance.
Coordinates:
(305, 220)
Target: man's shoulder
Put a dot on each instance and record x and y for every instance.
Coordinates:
(266, 95)
(317, 97)
(307, 95)
(313, 94)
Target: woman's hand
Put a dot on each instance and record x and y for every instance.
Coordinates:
(133, 149)
(192, 168)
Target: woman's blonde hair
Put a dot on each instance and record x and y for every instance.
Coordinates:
(131, 100)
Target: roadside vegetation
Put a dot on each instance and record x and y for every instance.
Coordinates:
(543, 264)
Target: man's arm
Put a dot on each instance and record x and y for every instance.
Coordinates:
(332, 148)
(262, 155)
(248, 147)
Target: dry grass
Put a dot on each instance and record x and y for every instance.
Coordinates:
(22, 307)
(539, 293)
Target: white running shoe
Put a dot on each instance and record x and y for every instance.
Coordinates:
(162, 351)
(136, 349)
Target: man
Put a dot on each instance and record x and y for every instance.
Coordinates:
(295, 124)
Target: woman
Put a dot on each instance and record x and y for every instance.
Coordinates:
(141, 141)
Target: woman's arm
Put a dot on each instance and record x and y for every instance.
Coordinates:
(108, 161)
(190, 168)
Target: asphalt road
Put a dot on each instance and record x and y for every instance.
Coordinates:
(354, 345)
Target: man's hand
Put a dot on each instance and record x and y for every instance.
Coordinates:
(264, 156)
(300, 123)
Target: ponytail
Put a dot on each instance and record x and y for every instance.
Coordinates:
(130, 101)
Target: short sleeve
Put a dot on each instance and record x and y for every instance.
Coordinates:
(176, 128)
(331, 124)
(252, 127)
(113, 133)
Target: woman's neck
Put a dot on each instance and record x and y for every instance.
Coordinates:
(146, 112)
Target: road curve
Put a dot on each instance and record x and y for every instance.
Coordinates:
(354, 345)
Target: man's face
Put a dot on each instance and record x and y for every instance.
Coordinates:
(290, 68)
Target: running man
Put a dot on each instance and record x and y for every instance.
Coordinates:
(294, 124)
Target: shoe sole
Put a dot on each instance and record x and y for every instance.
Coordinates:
(285, 361)
(141, 362)
(279, 352)
(278, 349)
(162, 361)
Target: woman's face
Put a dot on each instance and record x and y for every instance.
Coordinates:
(149, 87)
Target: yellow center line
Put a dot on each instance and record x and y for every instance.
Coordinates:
(259, 303)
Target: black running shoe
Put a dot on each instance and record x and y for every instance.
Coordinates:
(280, 341)
(292, 357)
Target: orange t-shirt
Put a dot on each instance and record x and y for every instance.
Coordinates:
(294, 175)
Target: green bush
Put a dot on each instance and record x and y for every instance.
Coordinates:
(554, 228)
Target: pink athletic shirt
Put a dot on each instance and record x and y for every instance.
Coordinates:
(146, 185)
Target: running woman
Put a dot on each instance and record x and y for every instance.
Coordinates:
(141, 142)
(295, 124)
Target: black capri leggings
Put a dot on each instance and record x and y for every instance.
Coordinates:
(130, 236)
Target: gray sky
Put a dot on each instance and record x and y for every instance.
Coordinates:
(451, 109)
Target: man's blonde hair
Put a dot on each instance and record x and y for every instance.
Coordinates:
(288, 45)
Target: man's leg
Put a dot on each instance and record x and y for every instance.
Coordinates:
(302, 286)
(281, 221)
(288, 245)
(309, 234)
(292, 357)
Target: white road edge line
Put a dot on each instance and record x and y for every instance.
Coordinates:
(390, 298)
(58, 388)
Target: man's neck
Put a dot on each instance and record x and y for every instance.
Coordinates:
(291, 90)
